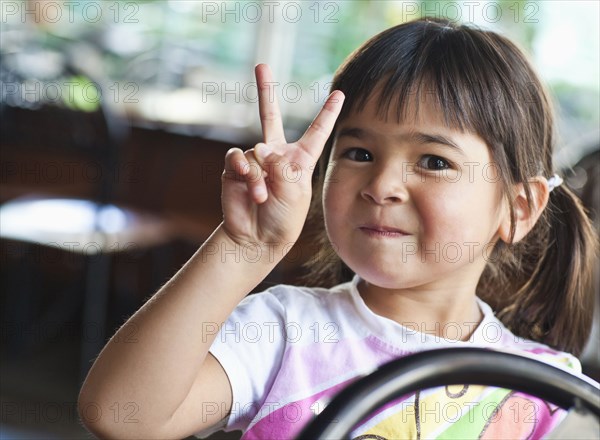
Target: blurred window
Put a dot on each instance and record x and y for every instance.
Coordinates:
(189, 64)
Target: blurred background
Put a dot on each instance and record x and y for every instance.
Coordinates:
(114, 120)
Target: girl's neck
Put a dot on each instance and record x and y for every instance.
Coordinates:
(448, 314)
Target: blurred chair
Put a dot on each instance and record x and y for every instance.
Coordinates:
(585, 180)
(86, 221)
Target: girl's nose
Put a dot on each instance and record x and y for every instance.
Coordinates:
(387, 185)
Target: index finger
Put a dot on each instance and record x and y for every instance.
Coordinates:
(268, 108)
(313, 140)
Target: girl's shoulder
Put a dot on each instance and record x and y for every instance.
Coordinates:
(289, 298)
(499, 336)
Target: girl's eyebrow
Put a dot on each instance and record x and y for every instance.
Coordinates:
(425, 138)
(414, 136)
(354, 132)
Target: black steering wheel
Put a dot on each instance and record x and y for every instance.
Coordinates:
(454, 366)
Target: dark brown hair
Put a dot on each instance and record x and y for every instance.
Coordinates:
(482, 83)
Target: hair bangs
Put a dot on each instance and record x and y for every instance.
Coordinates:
(438, 63)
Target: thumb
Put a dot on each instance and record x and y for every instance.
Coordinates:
(279, 170)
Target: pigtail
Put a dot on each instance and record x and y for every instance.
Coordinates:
(554, 302)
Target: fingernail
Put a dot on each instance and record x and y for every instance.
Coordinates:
(260, 192)
(262, 151)
(339, 96)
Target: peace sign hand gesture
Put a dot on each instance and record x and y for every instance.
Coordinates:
(266, 190)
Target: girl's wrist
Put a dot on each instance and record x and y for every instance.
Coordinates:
(257, 255)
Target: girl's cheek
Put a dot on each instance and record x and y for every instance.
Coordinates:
(336, 178)
(331, 176)
(331, 193)
(441, 213)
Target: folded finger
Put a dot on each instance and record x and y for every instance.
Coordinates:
(255, 179)
(236, 165)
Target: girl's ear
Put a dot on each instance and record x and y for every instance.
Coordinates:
(525, 216)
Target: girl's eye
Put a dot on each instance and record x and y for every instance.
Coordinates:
(358, 155)
(430, 162)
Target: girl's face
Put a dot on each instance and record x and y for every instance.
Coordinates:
(412, 205)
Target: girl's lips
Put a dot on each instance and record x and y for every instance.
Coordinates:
(382, 231)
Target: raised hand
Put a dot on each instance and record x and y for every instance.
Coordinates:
(266, 190)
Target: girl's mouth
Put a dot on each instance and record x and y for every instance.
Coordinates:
(382, 231)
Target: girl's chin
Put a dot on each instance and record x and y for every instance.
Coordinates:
(385, 280)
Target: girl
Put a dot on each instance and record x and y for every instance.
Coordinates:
(437, 196)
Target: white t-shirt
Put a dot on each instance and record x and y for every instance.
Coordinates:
(287, 351)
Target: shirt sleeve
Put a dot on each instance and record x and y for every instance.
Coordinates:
(249, 346)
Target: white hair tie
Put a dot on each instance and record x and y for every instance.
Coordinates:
(554, 181)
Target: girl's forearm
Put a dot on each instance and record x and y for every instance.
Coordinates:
(151, 363)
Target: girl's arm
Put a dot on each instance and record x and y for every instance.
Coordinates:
(155, 378)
